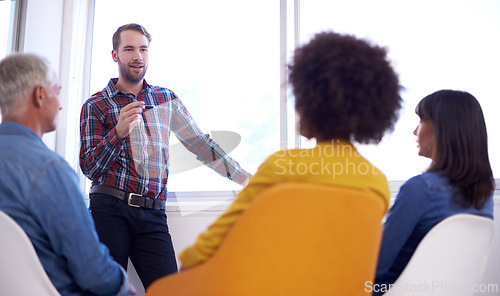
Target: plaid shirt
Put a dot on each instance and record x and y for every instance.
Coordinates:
(139, 163)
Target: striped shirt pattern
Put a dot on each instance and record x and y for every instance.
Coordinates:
(139, 163)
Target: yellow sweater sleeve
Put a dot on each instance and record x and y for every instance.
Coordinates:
(208, 242)
(288, 166)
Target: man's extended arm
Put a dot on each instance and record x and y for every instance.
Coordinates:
(206, 150)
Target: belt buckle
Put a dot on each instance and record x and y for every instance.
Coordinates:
(129, 199)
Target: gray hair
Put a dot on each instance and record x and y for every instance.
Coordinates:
(19, 74)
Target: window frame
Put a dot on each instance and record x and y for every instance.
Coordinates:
(289, 136)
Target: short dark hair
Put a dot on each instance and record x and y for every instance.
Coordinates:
(344, 88)
(132, 26)
(461, 144)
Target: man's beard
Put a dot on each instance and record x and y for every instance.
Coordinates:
(127, 75)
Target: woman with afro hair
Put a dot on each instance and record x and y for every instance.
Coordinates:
(345, 91)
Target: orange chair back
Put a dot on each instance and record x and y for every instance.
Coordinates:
(295, 239)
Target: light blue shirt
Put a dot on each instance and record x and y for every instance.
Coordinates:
(422, 202)
(39, 190)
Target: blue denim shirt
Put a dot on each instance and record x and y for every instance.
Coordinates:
(39, 190)
(422, 202)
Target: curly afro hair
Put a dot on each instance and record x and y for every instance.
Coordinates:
(345, 88)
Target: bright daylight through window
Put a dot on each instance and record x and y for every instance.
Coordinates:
(6, 24)
(222, 58)
(220, 61)
(7, 10)
(433, 45)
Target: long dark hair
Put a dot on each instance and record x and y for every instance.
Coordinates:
(461, 144)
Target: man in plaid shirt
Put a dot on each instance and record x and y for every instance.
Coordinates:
(125, 130)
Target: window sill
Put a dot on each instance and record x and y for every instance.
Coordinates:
(219, 201)
(199, 201)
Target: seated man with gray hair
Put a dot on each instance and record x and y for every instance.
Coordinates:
(40, 191)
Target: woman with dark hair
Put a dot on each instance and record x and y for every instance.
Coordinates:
(452, 133)
(345, 90)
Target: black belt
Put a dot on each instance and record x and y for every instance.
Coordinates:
(132, 199)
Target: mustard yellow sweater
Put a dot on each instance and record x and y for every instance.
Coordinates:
(334, 162)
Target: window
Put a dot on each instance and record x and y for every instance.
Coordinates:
(433, 45)
(12, 26)
(224, 59)
(220, 57)
(6, 26)
(12, 16)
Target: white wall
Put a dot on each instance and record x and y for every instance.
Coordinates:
(44, 19)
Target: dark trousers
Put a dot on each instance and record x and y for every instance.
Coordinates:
(139, 233)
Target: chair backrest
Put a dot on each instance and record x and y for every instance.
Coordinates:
(450, 259)
(295, 239)
(21, 272)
